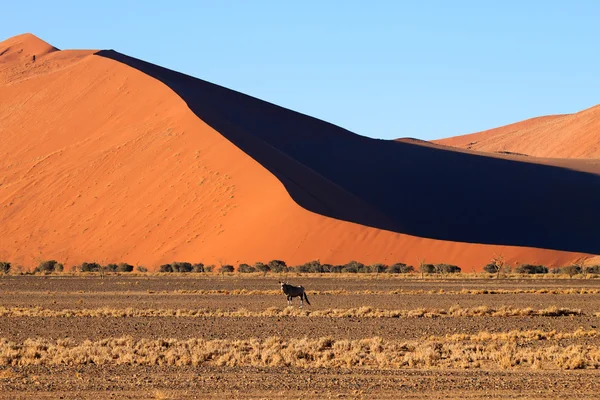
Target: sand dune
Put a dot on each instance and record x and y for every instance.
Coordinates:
(561, 136)
(106, 158)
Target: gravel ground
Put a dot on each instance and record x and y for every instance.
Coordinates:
(138, 382)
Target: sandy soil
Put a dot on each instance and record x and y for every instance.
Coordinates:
(211, 381)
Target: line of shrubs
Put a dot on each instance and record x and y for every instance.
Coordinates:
(279, 266)
(50, 266)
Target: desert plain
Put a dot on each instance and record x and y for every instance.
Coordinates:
(169, 336)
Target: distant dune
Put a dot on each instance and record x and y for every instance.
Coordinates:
(107, 158)
(558, 136)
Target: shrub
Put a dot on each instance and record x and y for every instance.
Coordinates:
(326, 268)
(311, 266)
(278, 266)
(4, 267)
(336, 268)
(89, 267)
(209, 268)
(111, 267)
(245, 268)
(48, 266)
(141, 268)
(427, 268)
(124, 267)
(198, 267)
(491, 268)
(400, 268)
(531, 269)
(377, 268)
(264, 268)
(302, 268)
(165, 268)
(226, 268)
(447, 269)
(181, 267)
(354, 267)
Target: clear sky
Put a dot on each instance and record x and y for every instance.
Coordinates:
(386, 69)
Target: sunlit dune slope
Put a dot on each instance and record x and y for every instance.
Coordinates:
(560, 136)
(105, 161)
(23, 48)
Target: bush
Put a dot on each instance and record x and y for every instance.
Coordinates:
(264, 268)
(165, 268)
(336, 268)
(4, 267)
(198, 267)
(278, 266)
(531, 269)
(377, 268)
(226, 268)
(111, 267)
(209, 268)
(181, 267)
(354, 267)
(447, 269)
(246, 269)
(327, 268)
(141, 268)
(428, 268)
(491, 268)
(303, 268)
(124, 267)
(89, 267)
(311, 266)
(400, 268)
(48, 266)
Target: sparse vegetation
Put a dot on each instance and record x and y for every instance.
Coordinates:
(322, 352)
(363, 312)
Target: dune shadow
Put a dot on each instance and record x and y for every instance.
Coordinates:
(398, 186)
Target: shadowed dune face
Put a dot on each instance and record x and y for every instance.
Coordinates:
(402, 187)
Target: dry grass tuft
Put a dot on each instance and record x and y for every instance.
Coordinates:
(362, 312)
(324, 352)
(344, 292)
(516, 336)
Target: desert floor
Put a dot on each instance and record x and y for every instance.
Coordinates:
(142, 337)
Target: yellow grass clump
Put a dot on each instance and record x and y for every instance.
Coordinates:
(324, 352)
(362, 312)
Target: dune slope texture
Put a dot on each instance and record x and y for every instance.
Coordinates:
(561, 136)
(107, 158)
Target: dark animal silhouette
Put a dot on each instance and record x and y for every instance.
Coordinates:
(294, 291)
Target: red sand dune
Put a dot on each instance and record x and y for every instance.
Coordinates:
(560, 136)
(106, 158)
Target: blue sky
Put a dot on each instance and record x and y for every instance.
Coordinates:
(385, 69)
